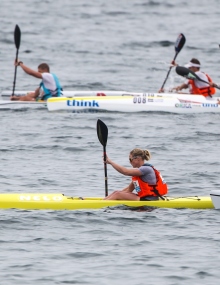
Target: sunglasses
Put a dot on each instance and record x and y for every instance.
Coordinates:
(131, 159)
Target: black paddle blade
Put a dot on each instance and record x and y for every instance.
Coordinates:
(180, 42)
(185, 72)
(17, 36)
(178, 46)
(102, 132)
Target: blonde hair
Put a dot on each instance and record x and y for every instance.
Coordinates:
(145, 154)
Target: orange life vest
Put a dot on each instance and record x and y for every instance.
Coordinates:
(205, 91)
(144, 189)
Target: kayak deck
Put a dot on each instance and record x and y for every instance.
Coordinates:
(137, 102)
(32, 201)
(120, 101)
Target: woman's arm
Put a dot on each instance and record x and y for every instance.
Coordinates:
(123, 170)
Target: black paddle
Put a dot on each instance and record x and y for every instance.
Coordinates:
(178, 46)
(187, 73)
(17, 40)
(102, 132)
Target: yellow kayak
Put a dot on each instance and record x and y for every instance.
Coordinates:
(39, 201)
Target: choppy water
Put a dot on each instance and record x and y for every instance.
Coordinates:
(125, 45)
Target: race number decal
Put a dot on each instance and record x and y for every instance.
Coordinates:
(138, 99)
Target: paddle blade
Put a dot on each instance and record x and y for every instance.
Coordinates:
(180, 43)
(17, 36)
(178, 46)
(185, 72)
(102, 132)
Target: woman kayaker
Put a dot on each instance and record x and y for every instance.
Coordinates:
(146, 180)
(49, 86)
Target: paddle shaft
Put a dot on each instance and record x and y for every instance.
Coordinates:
(105, 171)
(15, 74)
(197, 77)
(168, 73)
(178, 46)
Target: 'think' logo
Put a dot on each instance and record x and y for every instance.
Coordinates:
(82, 103)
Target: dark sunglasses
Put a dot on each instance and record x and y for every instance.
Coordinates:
(131, 159)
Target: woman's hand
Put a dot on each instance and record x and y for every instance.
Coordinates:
(108, 160)
(18, 62)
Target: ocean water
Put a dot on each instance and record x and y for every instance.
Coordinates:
(91, 45)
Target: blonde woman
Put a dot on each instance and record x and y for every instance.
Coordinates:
(146, 180)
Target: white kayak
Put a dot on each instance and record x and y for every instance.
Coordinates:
(118, 101)
(138, 102)
(6, 94)
(6, 103)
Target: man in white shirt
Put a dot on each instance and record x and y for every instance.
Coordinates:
(196, 86)
(49, 86)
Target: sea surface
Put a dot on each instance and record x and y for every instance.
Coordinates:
(108, 45)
